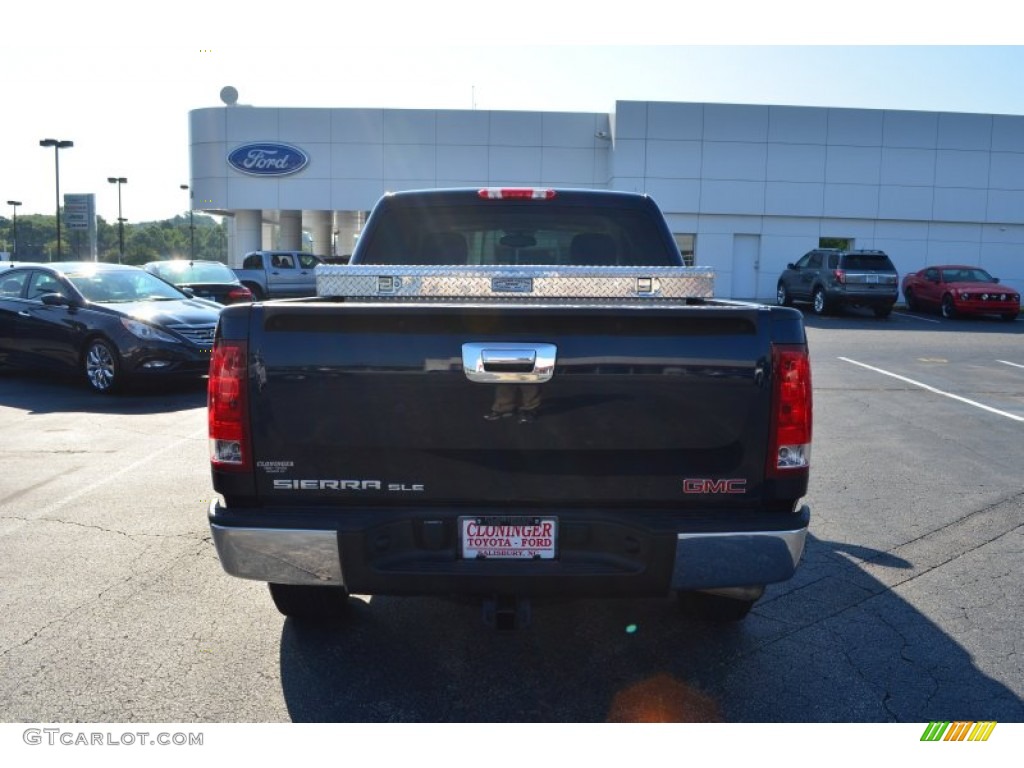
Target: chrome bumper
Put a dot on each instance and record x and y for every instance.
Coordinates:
(279, 555)
(706, 561)
(703, 561)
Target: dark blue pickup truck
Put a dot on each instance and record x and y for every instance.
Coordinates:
(511, 394)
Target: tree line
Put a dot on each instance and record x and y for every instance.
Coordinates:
(145, 241)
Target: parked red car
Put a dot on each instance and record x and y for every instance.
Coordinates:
(960, 290)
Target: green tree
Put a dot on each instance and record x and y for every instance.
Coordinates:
(144, 241)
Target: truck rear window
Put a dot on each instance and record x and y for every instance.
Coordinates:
(518, 235)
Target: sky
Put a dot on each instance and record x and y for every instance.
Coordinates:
(119, 78)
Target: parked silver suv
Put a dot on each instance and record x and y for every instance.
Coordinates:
(831, 278)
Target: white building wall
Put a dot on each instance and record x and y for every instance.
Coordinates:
(925, 187)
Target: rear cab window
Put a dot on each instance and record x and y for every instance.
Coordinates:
(508, 233)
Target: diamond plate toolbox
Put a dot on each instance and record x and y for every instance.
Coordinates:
(514, 283)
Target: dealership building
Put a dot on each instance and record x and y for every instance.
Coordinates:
(745, 188)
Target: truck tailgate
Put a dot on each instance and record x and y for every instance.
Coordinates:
(647, 405)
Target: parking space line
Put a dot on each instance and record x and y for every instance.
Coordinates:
(916, 317)
(1007, 362)
(950, 395)
(106, 479)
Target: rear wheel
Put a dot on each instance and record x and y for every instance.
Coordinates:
(257, 292)
(714, 608)
(948, 308)
(102, 366)
(782, 297)
(819, 301)
(310, 603)
(883, 311)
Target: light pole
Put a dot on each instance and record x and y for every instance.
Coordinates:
(119, 180)
(57, 145)
(14, 226)
(191, 225)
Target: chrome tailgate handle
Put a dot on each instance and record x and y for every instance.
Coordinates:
(508, 363)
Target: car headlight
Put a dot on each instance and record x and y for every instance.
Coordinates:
(965, 295)
(145, 331)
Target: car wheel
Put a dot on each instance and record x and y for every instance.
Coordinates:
(102, 366)
(782, 297)
(948, 309)
(1010, 317)
(884, 311)
(819, 301)
(311, 604)
(257, 292)
(911, 301)
(714, 608)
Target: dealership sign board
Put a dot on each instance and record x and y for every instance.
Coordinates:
(79, 211)
(267, 158)
(80, 218)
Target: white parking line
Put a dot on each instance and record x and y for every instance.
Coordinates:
(950, 395)
(1007, 362)
(916, 317)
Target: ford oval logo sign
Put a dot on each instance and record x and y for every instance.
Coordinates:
(268, 159)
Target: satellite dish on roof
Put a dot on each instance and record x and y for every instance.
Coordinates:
(229, 95)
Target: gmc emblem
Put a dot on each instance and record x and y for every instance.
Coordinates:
(704, 486)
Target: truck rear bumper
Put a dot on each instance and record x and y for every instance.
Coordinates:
(691, 560)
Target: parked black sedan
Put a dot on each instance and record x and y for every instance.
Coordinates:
(206, 279)
(113, 323)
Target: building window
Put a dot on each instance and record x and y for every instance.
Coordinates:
(842, 243)
(685, 244)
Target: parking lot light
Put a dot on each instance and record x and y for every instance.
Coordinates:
(119, 180)
(191, 224)
(14, 227)
(57, 145)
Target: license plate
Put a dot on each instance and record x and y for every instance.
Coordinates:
(504, 538)
(873, 279)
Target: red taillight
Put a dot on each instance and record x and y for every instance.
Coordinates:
(839, 276)
(492, 193)
(790, 446)
(227, 409)
(241, 293)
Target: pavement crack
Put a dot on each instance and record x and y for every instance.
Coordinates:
(76, 523)
(875, 577)
(197, 551)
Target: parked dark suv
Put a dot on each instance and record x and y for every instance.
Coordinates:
(830, 278)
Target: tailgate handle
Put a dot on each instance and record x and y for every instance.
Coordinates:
(509, 363)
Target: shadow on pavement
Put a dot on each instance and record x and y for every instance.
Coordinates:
(834, 645)
(37, 393)
(902, 319)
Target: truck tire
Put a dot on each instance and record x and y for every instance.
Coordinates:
(714, 608)
(309, 603)
(257, 292)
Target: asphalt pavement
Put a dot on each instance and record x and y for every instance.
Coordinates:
(906, 607)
